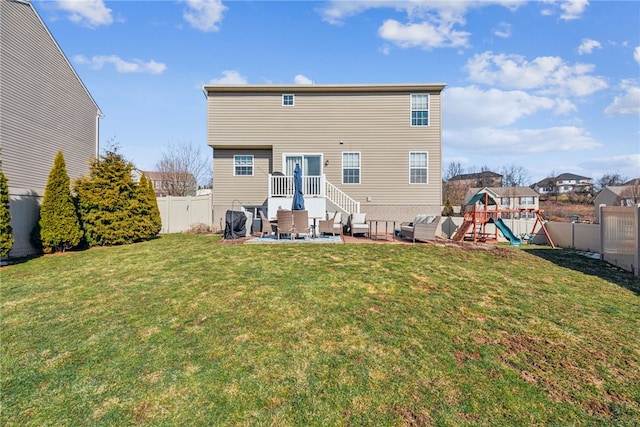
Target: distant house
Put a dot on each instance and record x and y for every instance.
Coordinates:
(168, 183)
(374, 149)
(479, 179)
(513, 198)
(564, 184)
(45, 108)
(617, 195)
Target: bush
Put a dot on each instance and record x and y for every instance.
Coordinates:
(6, 232)
(59, 225)
(110, 205)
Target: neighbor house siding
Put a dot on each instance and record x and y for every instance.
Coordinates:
(378, 125)
(44, 106)
(45, 109)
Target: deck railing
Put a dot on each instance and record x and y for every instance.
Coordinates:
(313, 186)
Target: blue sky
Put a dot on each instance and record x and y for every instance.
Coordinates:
(552, 86)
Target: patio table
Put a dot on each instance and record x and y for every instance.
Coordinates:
(373, 225)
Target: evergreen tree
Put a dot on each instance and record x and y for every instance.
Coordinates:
(108, 202)
(59, 225)
(6, 232)
(147, 212)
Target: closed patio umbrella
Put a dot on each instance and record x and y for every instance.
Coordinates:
(298, 196)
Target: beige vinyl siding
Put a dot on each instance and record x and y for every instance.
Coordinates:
(45, 107)
(378, 125)
(226, 186)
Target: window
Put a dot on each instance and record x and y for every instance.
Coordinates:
(420, 110)
(243, 165)
(418, 168)
(287, 100)
(351, 168)
(526, 200)
(504, 201)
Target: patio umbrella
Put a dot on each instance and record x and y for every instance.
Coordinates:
(298, 196)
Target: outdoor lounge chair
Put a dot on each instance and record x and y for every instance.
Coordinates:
(267, 227)
(301, 222)
(285, 224)
(423, 228)
(358, 223)
(333, 224)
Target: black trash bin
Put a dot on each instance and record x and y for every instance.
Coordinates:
(235, 225)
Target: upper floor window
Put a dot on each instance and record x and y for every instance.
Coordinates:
(420, 109)
(287, 100)
(243, 165)
(418, 167)
(351, 168)
(505, 201)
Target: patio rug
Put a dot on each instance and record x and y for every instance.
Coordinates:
(272, 239)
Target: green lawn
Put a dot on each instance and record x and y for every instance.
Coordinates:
(187, 330)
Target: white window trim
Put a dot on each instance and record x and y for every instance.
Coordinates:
(427, 167)
(253, 163)
(293, 99)
(359, 153)
(428, 110)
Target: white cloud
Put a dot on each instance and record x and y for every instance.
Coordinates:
(628, 102)
(472, 107)
(503, 30)
(302, 80)
(569, 9)
(121, 66)
(587, 46)
(481, 121)
(90, 13)
(204, 15)
(546, 74)
(636, 54)
(626, 165)
(425, 34)
(229, 77)
(429, 24)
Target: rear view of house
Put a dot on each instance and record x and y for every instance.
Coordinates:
(45, 108)
(362, 148)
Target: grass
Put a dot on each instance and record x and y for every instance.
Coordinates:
(187, 330)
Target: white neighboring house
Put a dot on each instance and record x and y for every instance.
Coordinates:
(563, 184)
(45, 108)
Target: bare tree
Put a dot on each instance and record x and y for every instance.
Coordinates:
(610, 179)
(514, 176)
(453, 169)
(182, 168)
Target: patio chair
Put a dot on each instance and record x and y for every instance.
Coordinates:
(423, 228)
(358, 223)
(301, 222)
(331, 225)
(267, 227)
(285, 224)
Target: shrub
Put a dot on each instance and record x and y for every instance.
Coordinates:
(147, 212)
(6, 232)
(108, 201)
(59, 225)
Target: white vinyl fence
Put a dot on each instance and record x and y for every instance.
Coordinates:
(180, 214)
(620, 236)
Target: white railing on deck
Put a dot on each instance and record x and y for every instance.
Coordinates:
(341, 199)
(282, 186)
(313, 186)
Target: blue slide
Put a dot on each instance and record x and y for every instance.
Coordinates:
(506, 231)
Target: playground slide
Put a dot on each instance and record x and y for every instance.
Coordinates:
(506, 231)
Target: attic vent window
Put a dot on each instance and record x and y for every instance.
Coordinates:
(287, 100)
